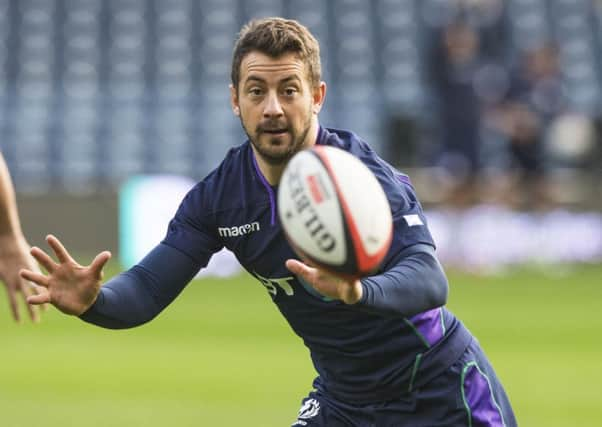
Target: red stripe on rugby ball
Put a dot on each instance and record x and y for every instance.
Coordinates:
(366, 263)
(314, 189)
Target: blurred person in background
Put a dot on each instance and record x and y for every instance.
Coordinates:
(533, 113)
(386, 350)
(466, 86)
(14, 250)
(487, 17)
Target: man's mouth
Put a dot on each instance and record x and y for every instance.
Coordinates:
(274, 131)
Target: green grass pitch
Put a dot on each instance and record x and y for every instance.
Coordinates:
(221, 355)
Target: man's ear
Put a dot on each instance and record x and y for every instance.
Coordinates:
(234, 100)
(319, 94)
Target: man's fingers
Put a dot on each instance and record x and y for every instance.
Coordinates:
(294, 266)
(99, 262)
(37, 278)
(39, 299)
(298, 268)
(43, 258)
(27, 290)
(39, 290)
(14, 306)
(34, 312)
(58, 248)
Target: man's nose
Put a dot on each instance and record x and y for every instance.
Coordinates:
(272, 107)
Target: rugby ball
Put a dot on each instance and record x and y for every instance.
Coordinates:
(334, 211)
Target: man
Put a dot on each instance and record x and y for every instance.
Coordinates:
(14, 250)
(386, 352)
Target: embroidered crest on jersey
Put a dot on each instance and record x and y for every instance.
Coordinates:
(310, 409)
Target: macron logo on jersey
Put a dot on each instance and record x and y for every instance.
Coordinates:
(238, 230)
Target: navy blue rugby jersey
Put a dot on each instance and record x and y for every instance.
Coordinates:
(358, 355)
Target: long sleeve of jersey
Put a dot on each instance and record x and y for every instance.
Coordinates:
(412, 283)
(141, 293)
(415, 282)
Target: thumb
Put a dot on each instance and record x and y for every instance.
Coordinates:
(99, 262)
(298, 268)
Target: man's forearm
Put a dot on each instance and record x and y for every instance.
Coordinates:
(138, 295)
(415, 283)
(9, 218)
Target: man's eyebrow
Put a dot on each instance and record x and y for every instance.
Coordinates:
(255, 78)
(290, 78)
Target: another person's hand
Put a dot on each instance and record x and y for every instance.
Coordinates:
(348, 291)
(72, 288)
(14, 256)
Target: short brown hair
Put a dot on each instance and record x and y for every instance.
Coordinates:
(275, 37)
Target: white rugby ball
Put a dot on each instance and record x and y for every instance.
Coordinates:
(334, 211)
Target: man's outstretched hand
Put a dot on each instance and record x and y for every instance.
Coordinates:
(347, 290)
(72, 288)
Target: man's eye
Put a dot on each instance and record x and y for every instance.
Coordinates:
(255, 91)
(290, 91)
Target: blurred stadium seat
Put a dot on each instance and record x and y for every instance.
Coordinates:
(529, 23)
(357, 97)
(575, 38)
(399, 57)
(262, 8)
